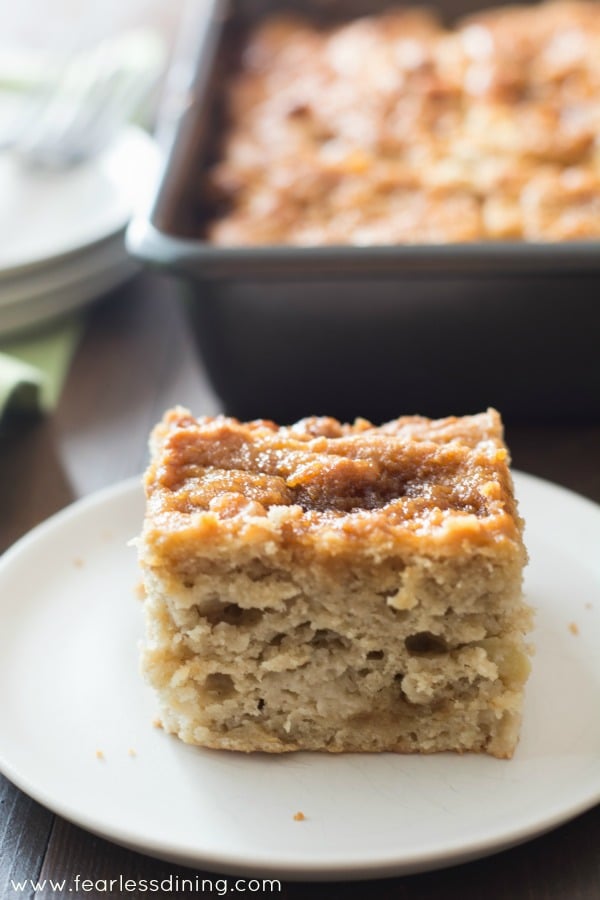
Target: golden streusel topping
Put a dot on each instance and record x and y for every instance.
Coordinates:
(444, 480)
(393, 129)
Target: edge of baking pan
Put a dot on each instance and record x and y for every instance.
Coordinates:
(185, 122)
(182, 119)
(149, 244)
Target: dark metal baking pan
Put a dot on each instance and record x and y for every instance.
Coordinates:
(371, 331)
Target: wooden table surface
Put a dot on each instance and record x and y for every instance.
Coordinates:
(135, 360)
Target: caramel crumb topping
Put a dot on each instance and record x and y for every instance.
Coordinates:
(413, 478)
(400, 130)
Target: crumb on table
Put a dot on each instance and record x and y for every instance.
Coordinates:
(100, 754)
(573, 628)
(299, 817)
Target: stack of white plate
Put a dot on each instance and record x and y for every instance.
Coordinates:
(62, 233)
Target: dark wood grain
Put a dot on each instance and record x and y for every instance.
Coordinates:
(135, 360)
(24, 833)
(33, 484)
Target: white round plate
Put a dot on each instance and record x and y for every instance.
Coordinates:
(70, 623)
(46, 215)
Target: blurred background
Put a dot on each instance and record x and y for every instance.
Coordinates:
(38, 28)
(282, 334)
(38, 36)
(80, 84)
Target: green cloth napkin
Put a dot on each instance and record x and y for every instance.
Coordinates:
(33, 367)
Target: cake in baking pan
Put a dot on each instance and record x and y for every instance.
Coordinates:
(396, 129)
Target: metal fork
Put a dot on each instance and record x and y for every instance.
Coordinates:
(78, 114)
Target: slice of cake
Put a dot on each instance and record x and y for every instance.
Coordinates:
(335, 587)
